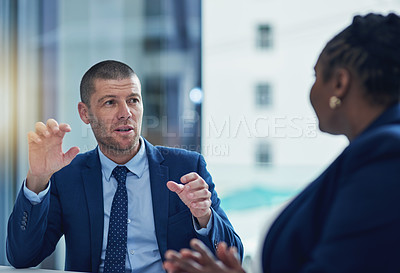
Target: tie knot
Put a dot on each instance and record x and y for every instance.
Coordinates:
(119, 173)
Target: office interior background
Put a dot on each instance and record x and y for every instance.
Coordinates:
(229, 79)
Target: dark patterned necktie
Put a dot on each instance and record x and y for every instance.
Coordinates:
(117, 232)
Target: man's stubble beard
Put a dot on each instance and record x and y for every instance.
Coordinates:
(108, 144)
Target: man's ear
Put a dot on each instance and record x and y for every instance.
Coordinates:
(342, 82)
(83, 112)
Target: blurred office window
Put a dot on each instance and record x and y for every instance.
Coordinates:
(47, 45)
(7, 116)
(264, 36)
(263, 153)
(154, 8)
(263, 95)
(20, 93)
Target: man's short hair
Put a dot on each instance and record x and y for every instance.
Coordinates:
(369, 47)
(106, 70)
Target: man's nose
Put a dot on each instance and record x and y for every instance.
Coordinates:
(124, 112)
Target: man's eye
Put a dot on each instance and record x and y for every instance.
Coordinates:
(133, 100)
(109, 102)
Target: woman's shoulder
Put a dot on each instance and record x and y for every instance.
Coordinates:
(377, 145)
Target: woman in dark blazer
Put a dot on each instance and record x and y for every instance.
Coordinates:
(348, 219)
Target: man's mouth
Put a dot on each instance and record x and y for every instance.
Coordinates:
(124, 129)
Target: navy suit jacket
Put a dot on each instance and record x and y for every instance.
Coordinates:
(348, 219)
(75, 209)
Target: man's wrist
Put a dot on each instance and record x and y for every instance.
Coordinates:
(37, 183)
(35, 198)
(204, 220)
(207, 229)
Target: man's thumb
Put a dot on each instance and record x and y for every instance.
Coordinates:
(68, 156)
(175, 187)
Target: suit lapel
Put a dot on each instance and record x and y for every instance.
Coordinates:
(92, 181)
(159, 194)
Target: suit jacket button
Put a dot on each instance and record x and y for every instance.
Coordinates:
(23, 227)
(25, 214)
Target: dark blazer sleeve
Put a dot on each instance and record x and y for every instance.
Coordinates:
(222, 229)
(31, 238)
(34, 230)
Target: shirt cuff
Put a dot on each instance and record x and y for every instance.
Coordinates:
(203, 231)
(33, 197)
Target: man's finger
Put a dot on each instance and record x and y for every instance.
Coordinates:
(189, 177)
(52, 124)
(41, 129)
(195, 181)
(175, 187)
(201, 205)
(65, 127)
(199, 194)
(33, 137)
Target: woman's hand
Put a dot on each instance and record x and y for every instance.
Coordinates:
(200, 259)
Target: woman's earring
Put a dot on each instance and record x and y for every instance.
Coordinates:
(334, 102)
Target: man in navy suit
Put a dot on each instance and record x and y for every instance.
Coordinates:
(171, 196)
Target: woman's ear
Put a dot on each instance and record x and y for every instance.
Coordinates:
(342, 82)
(83, 112)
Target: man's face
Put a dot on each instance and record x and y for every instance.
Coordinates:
(115, 115)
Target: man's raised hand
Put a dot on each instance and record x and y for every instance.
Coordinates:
(195, 194)
(45, 153)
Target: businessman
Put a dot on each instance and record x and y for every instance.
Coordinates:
(121, 205)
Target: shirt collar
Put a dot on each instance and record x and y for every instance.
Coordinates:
(136, 165)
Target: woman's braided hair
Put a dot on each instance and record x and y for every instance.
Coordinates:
(369, 47)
